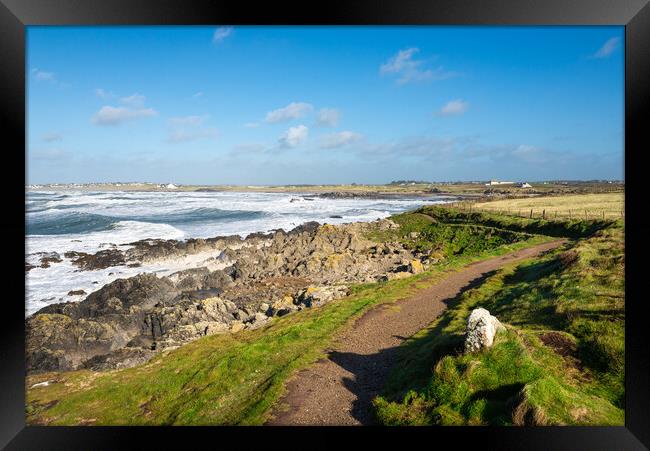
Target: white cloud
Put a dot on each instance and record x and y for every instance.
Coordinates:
(102, 94)
(41, 75)
(197, 95)
(189, 128)
(251, 124)
(401, 62)
(328, 117)
(134, 100)
(110, 115)
(115, 115)
(340, 139)
(220, 34)
(294, 136)
(410, 70)
(607, 48)
(51, 137)
(294, 110)
(454, 108)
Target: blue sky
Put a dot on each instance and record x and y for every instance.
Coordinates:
(290, 105)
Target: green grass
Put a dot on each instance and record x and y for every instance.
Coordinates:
(561, 227)
(222, 379)
(575, 295)
(446, 238)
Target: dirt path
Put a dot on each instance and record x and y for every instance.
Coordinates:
(339, 389)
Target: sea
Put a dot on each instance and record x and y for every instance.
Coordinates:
(62, 221)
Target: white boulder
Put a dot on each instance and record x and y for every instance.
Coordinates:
(480, 331)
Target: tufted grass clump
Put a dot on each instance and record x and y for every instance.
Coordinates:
(560, 362)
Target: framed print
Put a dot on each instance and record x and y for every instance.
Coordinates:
(362, 214)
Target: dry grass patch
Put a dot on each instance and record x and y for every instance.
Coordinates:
(611, 204)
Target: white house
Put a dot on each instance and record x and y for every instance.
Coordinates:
(171, 186)
(497, 182)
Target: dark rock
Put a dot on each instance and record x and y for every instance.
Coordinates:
(221, 278)
(359, 194)
(62, 336)
(48, 258)
(243, 316)
(100, 260)
(76, 292)
(56, 342)
(257, 235)
(121, 358)
(346, 195)
(308, 227)
(189, 279)
(142, 291)
(198, 295)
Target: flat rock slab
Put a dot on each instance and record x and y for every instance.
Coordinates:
(339, 389)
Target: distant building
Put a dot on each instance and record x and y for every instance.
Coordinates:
(515, 184)
(171, 186)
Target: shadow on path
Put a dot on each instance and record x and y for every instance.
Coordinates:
(372, 370)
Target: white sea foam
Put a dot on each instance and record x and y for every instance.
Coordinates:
(51, 285)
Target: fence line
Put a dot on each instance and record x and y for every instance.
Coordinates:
(541, 213)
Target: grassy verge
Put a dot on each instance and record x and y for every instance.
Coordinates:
(562, 227)
(560, 361)
(228, 379)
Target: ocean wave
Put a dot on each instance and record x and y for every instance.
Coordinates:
(68, 223)
(53, 222)
(120, 233)
(200, 215)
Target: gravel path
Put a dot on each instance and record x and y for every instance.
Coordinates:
(339, 389)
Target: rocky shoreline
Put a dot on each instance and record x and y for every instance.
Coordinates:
(240, 284)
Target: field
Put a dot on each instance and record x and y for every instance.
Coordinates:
(611, 205)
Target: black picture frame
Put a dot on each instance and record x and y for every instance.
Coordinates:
(15, 15)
